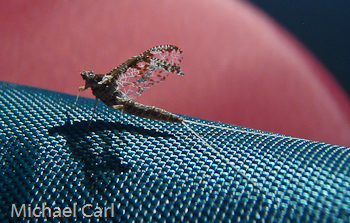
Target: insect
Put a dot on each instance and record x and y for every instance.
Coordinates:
(127, 81)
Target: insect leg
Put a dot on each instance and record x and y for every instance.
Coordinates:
(76, 100)
(92, 115)
(119, 107)
(106, 79)
(80, 89)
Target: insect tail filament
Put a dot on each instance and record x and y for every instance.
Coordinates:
(227, 161)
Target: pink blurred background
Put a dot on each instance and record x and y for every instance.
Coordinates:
(240, 66)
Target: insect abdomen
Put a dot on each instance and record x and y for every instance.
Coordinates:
(151, 112)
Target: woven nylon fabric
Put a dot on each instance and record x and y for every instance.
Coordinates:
(153, 171)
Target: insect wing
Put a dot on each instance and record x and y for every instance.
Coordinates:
(170, 54)
(152, 66)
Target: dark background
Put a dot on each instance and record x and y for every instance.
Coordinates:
(323, 26)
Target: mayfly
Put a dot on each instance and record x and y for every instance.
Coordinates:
(127, 81)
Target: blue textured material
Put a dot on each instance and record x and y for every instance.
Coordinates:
(157, 171)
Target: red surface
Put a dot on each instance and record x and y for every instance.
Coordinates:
(240, 67)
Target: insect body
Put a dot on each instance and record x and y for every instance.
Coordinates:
(130, 79)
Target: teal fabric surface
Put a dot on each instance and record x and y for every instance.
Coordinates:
(129, 169)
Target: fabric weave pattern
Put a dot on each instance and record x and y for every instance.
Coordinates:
(158, 171)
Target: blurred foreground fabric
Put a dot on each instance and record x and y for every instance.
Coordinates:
(156, 171)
